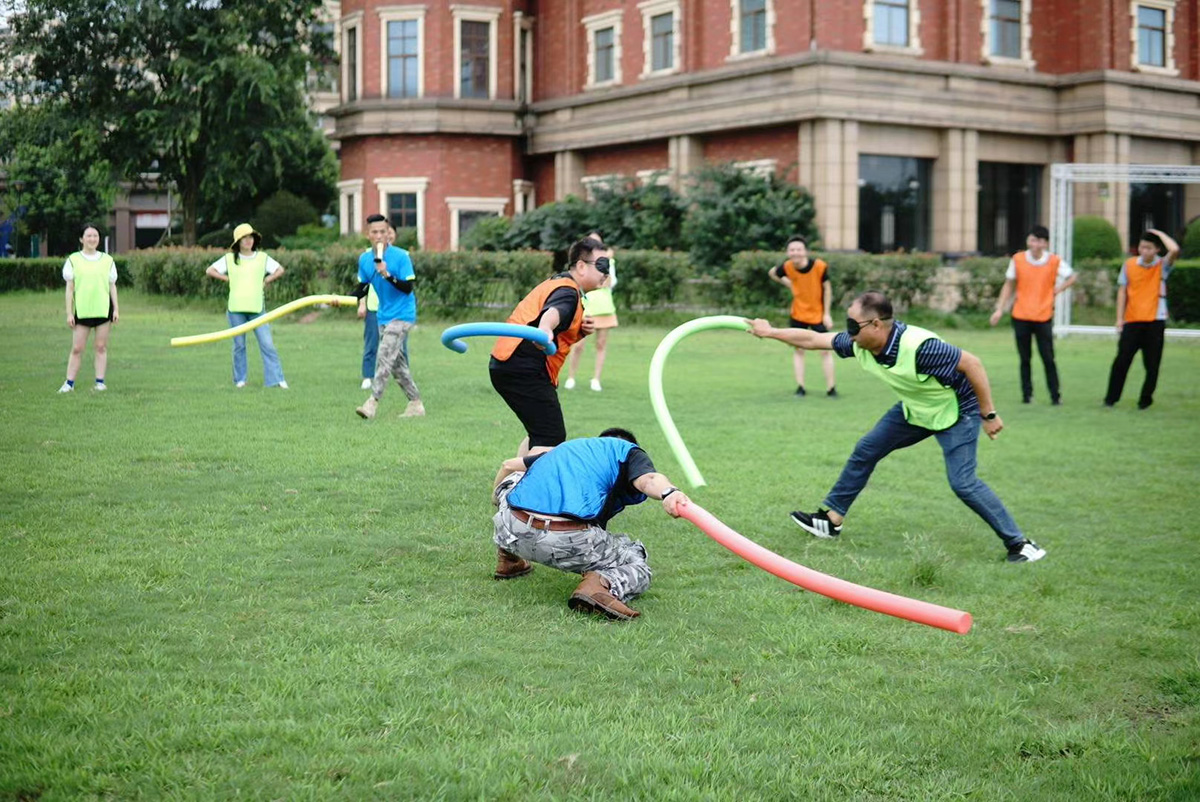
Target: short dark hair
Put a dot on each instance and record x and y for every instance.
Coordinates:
(1041, 232)
(585, 247)
(876, 304)
(619, 433)
(376, 218)
(1152, 238)
(797, 238)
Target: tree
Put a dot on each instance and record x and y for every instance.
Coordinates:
(210, 89)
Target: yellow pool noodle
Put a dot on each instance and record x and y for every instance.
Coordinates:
(288, 308)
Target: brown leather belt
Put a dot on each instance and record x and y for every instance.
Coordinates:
(546, 524)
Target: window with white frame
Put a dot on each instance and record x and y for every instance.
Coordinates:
(351, 61)
(402, 45)
(1153, 33)
(892, 25)
(751, 27)
(402, 202)
(466, 212)
(1007, 32)
(604, 48)
(349, 205)
(661, 45)
(475, 50)
(523, 56)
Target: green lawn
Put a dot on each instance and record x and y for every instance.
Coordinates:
(210, 593)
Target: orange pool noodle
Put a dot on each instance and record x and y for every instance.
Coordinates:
(868, 598)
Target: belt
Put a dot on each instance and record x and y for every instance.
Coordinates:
(546, 524)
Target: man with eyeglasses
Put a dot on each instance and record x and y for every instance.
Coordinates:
(524, 376)
(943, 393)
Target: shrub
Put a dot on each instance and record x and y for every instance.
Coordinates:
(1191, 240)
(46, 274)
(1095, 237)
(180, 271)
(650, 278)
(486, 235)
(980, 280)
(221, 238)
(451, 281)
(280, 215)
(1183, 292)
(312, 236)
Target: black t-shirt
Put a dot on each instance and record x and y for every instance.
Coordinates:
(637, 464)
(528, 358)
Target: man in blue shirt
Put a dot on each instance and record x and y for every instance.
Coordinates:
(389, 271)
(555, 505)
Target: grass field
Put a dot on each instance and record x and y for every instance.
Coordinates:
(210, 593)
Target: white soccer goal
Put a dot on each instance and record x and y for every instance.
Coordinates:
(1063, 178)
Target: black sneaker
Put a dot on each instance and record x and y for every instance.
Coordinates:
(832, 392)
(1056, 402)
(817, 524)
(1144, 404)
(800, 391)
(1025, 552)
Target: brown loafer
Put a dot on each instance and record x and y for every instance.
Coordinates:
(510, 566)
(592, 596)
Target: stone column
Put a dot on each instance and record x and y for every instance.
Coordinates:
(955, 192)
(1109, 200)
(828, 156)
(568, 174)
(684, 155)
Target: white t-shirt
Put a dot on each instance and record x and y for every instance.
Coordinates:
(69, 271)
(270, 268)
(1064, 269)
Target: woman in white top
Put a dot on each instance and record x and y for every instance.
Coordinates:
(91, 277)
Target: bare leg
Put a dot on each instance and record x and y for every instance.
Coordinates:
(78, 341)
(827, 365)
(798, 366)
(601, 351)
(573, 361)
(523, 449)
(100, 348)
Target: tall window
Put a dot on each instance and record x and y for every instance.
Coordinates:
(753, 25)
(891, 23)
(605, 50)
(403, 58)
(352, 63)
(1155, 206)
(323, 77)
(1152, 36)
(893, 203)
(1004, 24)
(1009, 205)
(475, 66)
(402, 210)
(662, 42)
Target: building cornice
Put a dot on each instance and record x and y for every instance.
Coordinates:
(375, 117)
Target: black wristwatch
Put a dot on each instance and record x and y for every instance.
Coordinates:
(990, 416)
(668, 492)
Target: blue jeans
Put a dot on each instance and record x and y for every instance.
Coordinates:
(370, 344)
(272, 370)
(958, 446)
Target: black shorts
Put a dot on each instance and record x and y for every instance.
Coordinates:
(819, 328)
(535, 401)
(93, 322)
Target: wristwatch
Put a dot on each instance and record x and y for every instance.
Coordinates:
(990, 416)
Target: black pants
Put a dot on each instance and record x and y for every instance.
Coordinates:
(1026, 330)
(1144, 337)
(534, 399)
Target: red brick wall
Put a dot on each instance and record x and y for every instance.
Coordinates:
(540, 170)
(781, 143)
(626, 159)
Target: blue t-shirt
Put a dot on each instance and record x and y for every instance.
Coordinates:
(393, 304)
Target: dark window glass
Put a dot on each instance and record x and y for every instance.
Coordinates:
(352, 64)
(891, 22)
(475, 58)
(662, 42)
(1155, 206)
(402, 210)
(402, 58)
(754, 25)
(604, 55)
(1006, 28)
(893, 203)
(1009, 205)
(1152, 36)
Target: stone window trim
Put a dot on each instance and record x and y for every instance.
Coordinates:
(352, 25)
(660, 177)
(735, 33)
(651, 9)
(593, 25)
(1025, 62)
(524, 196)
(914, 32)
(457, 205)
(762, 168)
(401, 14)
(466, 13)
(399, 185)
(348, 206)
(1169, 68)
(591, 182)
(522, 24)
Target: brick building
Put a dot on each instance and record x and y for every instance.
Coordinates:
(914, 123)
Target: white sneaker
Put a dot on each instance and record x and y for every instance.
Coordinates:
(66, 388)
(1025, 552)
(240, 385)
(570, 385)
(366, 384)
(596, 385)
(100, 387)
(282, 385)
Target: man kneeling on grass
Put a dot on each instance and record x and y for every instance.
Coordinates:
(555, 505)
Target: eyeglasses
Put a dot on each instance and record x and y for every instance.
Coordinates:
(853, 327)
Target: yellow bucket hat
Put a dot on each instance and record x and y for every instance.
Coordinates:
(245, 229)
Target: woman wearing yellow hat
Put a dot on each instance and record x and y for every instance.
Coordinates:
(248, 271)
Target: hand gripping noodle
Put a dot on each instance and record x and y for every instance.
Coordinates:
(450, 336)
(288, 308)
(932, 615)
(656, 391)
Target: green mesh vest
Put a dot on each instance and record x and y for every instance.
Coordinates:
(927, 403)
(246, 282)
(91, 285)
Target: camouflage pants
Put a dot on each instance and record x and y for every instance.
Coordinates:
(617, 558)
(392, 360)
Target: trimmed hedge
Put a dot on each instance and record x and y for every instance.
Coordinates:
(1183, 292)
(46, 274)
(180, 271)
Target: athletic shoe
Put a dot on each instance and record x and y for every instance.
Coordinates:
(570, 385)
(1025, 552)
(66, 388)
(239, 385)
(100, 387)
(832, 393)
(800, 391)
(817, 524)
(366, 384)
(595, 385)
(282, 385)
(1144, 404)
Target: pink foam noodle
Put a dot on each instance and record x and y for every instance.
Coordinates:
(932, 615)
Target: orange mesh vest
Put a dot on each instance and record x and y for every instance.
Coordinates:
(527, 313)
(1143, 288)
(808, 301)
(1035, 288)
